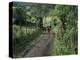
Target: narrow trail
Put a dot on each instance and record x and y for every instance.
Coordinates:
(43, 45)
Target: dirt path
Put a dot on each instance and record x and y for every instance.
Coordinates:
(42, 47)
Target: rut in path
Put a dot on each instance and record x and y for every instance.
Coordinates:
(42, 47)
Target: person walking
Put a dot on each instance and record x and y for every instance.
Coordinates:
(49, 29)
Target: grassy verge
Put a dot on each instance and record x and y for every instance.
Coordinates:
(23, 38)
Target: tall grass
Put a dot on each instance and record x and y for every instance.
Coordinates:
(64, 42)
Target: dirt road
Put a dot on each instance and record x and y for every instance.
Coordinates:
(42, 47)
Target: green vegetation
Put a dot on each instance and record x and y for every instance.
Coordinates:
(30, 20)
(26, 29)
(22, 38)
(66, 30)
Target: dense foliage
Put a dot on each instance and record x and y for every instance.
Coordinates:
(28, 25)
(25, 30)
(66, 30)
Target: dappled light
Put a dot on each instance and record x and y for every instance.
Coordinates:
(44, 29)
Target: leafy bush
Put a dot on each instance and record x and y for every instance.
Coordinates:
(22, 38)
